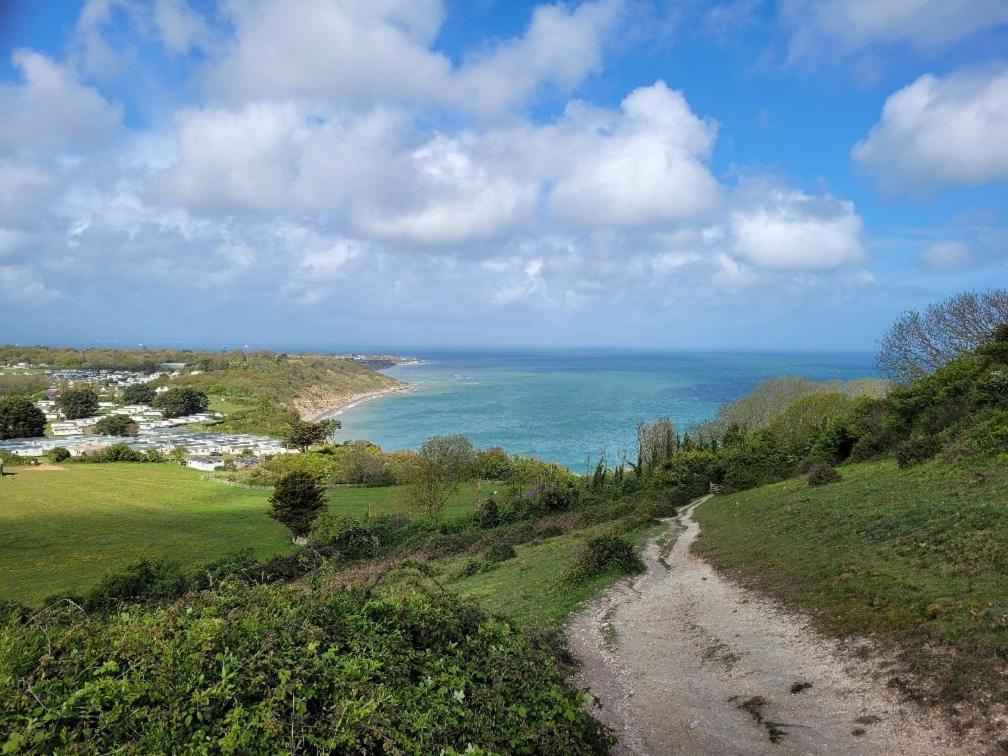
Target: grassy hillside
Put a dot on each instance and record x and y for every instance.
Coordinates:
(917, 557)
(63, 529)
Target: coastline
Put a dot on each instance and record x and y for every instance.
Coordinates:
(352, 401)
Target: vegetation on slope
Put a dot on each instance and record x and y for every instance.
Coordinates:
(917, 557)
(263, 669)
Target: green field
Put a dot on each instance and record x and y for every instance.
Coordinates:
(63, 529)
(532, 588)
(359, 502)
(916, 557)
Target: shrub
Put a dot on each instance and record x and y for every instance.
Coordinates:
(500, 552)
(486, 515)
(346, 535)
(549, 531)
(915, 450)
(602, 553)
(473, 567)
(116, 425)
(822, 473)
(240, 670)
(146, 579)
(59, 454)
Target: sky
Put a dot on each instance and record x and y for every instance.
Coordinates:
(334, 174)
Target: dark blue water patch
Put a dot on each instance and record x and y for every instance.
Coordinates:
(710, 392)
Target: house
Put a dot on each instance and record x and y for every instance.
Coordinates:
(204, 462)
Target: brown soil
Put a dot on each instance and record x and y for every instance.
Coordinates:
(684, 661)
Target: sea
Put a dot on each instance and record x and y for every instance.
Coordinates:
(568, 405)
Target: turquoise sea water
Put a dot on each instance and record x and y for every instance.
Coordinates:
(566, 405)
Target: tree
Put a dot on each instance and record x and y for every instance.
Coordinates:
(298, 498)
(302, 434)
(442, 463)
(116, 425)
(919, 343)
(78, 402)
(178, 402)
(19, 418)
(137, 393)
(179, 454)
(656, 443)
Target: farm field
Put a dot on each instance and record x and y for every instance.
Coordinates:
(63, 528)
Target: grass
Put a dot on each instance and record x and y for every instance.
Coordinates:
(917, 558)
(360, 501)
(532, 587)
(62, 530)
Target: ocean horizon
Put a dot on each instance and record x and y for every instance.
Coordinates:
(567, 405)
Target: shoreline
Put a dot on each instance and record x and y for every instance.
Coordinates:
(353, 401)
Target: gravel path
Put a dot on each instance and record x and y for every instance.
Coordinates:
(684, 661)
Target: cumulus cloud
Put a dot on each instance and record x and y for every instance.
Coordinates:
(786, 229)
(645, 164)
(857, 24)
(951, 130)
(947, 256)
(377, 51)
(51, 109)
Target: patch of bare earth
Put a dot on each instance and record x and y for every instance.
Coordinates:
(684, 661)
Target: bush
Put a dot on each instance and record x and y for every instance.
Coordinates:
(915, 450)
(603, 553)
(822, 473)
(549, 531)
(146, 579)
(473, 567)
(500, 552)
(240, 670)
(352, 539)
(116, 425)
(486, 515)
(59, 454)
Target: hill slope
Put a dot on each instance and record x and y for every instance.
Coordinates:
(916, 557)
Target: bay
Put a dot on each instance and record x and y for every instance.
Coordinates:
(567, 405)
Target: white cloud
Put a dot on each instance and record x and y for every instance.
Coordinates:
(946, 256)
(786, 229)
(457, 199)
(19, 284)
(348, 51)
(858, 24)
(643, 165)
(51, 109)
(951, 130)
(559, 47)
(179, 26)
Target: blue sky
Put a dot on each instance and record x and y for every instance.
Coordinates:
(410, 173)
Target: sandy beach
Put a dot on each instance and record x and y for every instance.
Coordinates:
(334, 412)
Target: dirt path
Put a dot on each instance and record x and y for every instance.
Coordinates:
(684, 661)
